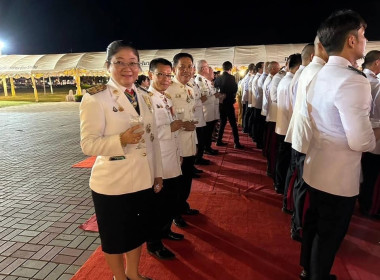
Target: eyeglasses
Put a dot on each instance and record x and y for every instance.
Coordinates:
(130, 65)
(185, 68)
(162, 75)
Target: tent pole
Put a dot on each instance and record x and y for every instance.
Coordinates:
(51, 85)
(43, 81)
(77, 80)
(12, 87)
(35, 88)
(5, 86)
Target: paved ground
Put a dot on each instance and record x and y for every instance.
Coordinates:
(42, 199)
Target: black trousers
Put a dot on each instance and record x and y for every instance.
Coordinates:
(187, 168)
(282, 162)
(289, 174)
(245, 106)
(371, 170)
(167, 206)
(248, 120)
(326, 224)
(227, 111)
(258, 127)
(299, 193)
(209, 129)
(201, 131)
(252, 122)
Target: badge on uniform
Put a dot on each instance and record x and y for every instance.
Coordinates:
(188, 99)
(148, 128)
(159, 106)
(151, 137)
(148, 103)
(121, 109)
(114, 109)
(177, 96)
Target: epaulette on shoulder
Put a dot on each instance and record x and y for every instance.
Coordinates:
(189, 85)
(282, 72)
(146, 91)
(96, 89)
(168, 96)
(357, 71)
(199, 78)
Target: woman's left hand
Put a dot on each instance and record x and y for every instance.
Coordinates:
(158, 183)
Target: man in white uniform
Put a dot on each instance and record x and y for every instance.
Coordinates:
(339, 102)
(182, 96)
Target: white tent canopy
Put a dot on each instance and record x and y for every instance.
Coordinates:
(93, 63)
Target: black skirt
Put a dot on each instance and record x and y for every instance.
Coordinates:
(123, 220)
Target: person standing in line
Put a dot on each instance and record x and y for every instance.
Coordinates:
(299, 135)
(239, 99)
(227, 85)
(341, 132)
(168, 199)
(143, 81)
(200, 126)
(259, 68)
(306, 56)
(128, 169)
(371, 160)
(282, 123)
(246, 98)
(260, 124)
(208, 105)
(182, 96)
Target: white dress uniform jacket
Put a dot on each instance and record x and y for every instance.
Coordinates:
(272, 100)
(103, 116)
(259, 93)
(293, 88)
(375, 111)
(209, 104)
(255, 90)
(266, 88)
(245, 82)
(283, 91)
(250, 95)
(299, 131)
(198, 107)
(182, 98)
(339, 101)
(169, 141)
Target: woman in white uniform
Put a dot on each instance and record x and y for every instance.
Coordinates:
(128, 170)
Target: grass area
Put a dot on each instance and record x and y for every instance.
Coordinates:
(26, 95)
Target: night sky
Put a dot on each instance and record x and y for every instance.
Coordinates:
(63, 26)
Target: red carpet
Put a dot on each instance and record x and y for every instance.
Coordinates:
(242, 233)
(87, 163)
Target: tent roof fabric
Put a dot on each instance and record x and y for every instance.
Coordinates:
(93, 63)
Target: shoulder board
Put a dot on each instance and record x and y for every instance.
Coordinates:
(168, 96)
(282, 72)
(199, 78)
(357, 71)
(96, 89)
(143, 89)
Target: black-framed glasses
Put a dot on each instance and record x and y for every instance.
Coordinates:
(162, 75)
(130, 65)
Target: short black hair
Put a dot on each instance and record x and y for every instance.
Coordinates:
(333, 31)
(227, 66)
(294, 60)
(370, 58)
(154, 62)
(178, 56)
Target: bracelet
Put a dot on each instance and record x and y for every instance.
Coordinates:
(121, 142)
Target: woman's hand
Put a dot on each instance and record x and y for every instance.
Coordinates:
(158, 184)
(130, 136)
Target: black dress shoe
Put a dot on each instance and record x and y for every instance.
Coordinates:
(163, 253)
(196, 170)
(202, 161)
(296, 236)
(174, 236)
(239, 146)
(195, 175)
(180, 222)
(211, 152)
(220, 144)
(191, 212)
(305, 276)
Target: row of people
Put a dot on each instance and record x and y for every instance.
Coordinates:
(145, 140)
